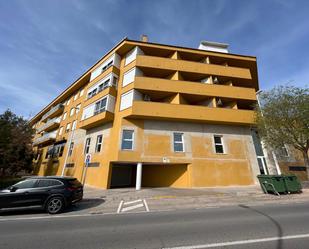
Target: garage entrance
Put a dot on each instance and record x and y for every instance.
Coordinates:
(123, 175)
(149, 175)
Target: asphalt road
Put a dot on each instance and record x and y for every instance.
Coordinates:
(275, 226)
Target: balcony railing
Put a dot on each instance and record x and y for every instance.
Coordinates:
(54, 111)
(50, 124)
(45, 138)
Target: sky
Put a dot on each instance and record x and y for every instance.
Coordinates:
(45, 45)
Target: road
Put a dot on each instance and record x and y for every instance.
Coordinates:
(233, 227)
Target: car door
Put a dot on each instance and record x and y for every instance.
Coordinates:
(23, 194)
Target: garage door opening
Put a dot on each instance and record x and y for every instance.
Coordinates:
(123, 176)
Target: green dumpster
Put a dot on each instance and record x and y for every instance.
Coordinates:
(272, 183)
(292, 184)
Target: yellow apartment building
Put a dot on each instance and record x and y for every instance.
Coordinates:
(154, 115)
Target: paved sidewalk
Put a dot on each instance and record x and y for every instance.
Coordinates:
(158, 199)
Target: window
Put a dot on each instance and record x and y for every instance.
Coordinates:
(71, 149)
(98, 145)
(127, 140)
(67, 128)
(128, 77)
(78, 108)
(60, 131)
(76, 96)
(68, 102)
(284, 151)
(126, 100)
(218, 144)
(64, 116)
(115, 81)
(74, 125)
(100, 106)
(92, 93)
(87, 145)
(58, 150)
(43, 183)
(26, 184)
(49, 152)
(81, 93)
(72, 111)
(178, 142)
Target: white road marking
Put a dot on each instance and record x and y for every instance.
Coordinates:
(146, 205)
(132, 207)
(119, 207)
(131, 202)
(241, 242)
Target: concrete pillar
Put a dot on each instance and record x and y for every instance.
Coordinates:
(139, 176)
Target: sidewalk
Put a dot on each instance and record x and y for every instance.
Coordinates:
(159, 199)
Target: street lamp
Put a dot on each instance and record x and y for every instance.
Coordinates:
(69, 145)
(272, 152)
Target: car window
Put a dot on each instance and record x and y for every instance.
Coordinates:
(48, 183)
(25, 184)
(74, 183)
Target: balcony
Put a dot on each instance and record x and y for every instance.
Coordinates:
(190, 113)
(47, 137)
(53, 112)
(159, 63)
(50, 125)
(96, 120)
(193, 88)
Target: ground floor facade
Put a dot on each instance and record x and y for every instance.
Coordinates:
(141, 153)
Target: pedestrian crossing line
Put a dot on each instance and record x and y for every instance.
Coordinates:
(131, 205)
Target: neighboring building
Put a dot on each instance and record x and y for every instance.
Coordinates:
(155, 115)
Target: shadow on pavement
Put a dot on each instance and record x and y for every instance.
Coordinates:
(85, 204)
(279, 229)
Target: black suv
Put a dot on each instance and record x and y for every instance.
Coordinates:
(52, 193)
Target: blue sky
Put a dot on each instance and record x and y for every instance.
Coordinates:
(47, 44)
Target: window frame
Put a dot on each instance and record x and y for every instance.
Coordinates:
(127, 140)
(219, 144)
(67, 127)
(87, 145)
(71, 147)
(100, 109)
(182, 142)
(98, 145)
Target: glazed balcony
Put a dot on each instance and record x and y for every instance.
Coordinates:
(46, 138)
(190, 113)
(51, 124)
(53, 112)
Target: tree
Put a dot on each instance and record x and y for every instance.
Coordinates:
(16, 152)
(283, 118)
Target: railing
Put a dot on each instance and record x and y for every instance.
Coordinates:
(49, 123)
(52, 111)
(46, 137)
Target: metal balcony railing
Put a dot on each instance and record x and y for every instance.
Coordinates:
(54, 122)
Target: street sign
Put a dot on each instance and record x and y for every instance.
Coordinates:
(87, 159)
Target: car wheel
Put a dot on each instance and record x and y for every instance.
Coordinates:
(55, 205)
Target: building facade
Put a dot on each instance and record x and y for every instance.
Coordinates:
(154, 115)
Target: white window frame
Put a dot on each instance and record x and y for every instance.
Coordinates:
(77, 108)
(60, 131)
(64, 116)
(99, 143)
(219, 144)
(71, 146)
(87, 145)
(72, 111)
(179, 142)
(101, 109)
(69, 100)
(129, 140)
(81, 93)
(76, 96)
(68, 127)
(74, 125)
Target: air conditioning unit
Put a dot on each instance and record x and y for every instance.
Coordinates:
(146, 97)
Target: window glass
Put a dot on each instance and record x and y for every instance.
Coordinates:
(67, 128)
(100, 106)
(26, 184)
(71, 149)
(87, 145)
(74, 125)
(218, 144)
(78, 108)
(72, 111)
(43, 183)
(99, 143)
(127, 140)
(64, 116)
(178, 142)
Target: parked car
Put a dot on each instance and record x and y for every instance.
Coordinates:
(53, 193)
